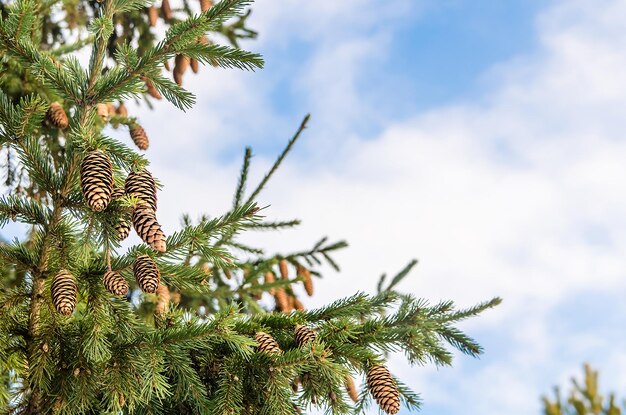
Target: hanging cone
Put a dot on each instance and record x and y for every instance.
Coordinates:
(103, 112)
(282, 301)
(266, 343)
(166, 9)
(141, 185)
(56, 116)
(152, 91)
(121, 110)
(166, 65)
(64, 292)
(284, 270)
(147, 274)
(270, 278)
(115, 283)
(304, 335)
(118, 191)
(147, 227)
(139, 136)
(96, 178)
(195, 65)
(153, 15)
(307, 281)
(351, 388)
(181, 63)
(111, 110)
(205, 5)
(123, 229)
(297, 304)
(383, 389)
(163, 300)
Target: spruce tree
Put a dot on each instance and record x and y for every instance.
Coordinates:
(179, 324)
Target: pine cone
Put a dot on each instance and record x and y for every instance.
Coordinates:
(121, 110)
(139, 136)
(383, 389)
(266, 343)
(103, 112)
(283, 268)
(111, 110)
(163, 300)
(166, 9)
(154, 93)
(282, 301)
(269, 279)
(56, 116)
(115, 283)
(147, 274)
(123, 229)
(96, 178)
(307, 281)
(166, 65)
(153, 15)
(205, 5)
(297, 304)
(195, 65)
(141, 185)
(118, 191)
(148, 228)
(180, 66)
(64, 292)
(351, 388)
(304, 335)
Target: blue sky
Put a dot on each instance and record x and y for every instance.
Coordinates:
(484, 138)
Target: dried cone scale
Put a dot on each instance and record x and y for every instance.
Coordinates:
(148, 228)
(304, 335)
(115, 283)
(266, 343)
(139, 137)
(383, 389)
(56, 116)
(147, 274)
(64, 292)
(96, 178)
(140, 184)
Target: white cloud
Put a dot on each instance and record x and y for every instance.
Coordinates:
(518, 194)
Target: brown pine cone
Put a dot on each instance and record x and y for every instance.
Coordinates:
(195, 65)
(284, 269)
(383, 389)
(103, 112)
(121, 110)
(147, 274)
(307, 280)
(152, 91)
(153, 15)
(96, 177)
(297, 304)
(181, 63)
(56, 116)
(111, 110)
(282, 301)
(148, 228)
(205, 5)
(351, 388)
(266, 343)
(64, 292)
(304, 335)
(118, 191)
(166, 9)
(163, 300)
(139, 136)
(166, 65)
(123, 229)
(270, 278)
(115, 283)
(141, 185)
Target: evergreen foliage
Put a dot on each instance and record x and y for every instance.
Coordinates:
(202, 337)
(583, 399)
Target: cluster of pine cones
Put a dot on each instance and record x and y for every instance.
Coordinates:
(181, 62)
(57, 117)
(379, 381)
(286, 300)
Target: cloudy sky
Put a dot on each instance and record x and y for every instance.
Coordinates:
(485, 138)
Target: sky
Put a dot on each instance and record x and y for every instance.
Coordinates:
(483, 138)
